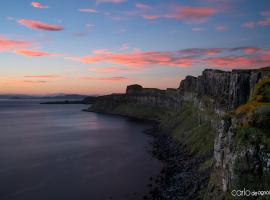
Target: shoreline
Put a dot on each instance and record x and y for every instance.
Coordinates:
(179, 177)
(122, 115)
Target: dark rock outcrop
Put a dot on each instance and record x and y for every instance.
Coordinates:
(215, 94)
(227, 89)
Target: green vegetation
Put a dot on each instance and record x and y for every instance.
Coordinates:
(192, 127)
(140, 111)
(255, 116)
(262, 91)
(206, 165)
(188, 125)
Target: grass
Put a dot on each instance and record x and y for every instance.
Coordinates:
(206, 165)
(262, 91)
(255, 116)
(187, 125)
(193, 129)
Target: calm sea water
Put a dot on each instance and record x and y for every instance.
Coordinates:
(55, 152)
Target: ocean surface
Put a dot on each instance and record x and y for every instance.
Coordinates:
(55, 152)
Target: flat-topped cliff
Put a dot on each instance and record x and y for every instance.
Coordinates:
(220, 117)
(228, 89)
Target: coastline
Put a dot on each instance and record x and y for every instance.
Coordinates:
(204, 131)
(180, 177)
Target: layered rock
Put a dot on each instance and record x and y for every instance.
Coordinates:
(228, 89)
(221, 90)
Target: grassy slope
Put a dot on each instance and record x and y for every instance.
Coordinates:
(255, 116)
(187, 125)
(191, 126)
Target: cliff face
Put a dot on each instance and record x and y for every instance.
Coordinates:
(220, 116)
(227, 89)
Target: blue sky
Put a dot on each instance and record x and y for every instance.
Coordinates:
(101, 46)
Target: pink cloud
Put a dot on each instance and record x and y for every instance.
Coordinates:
(86, 31)
(124, 46)
(38, 5)
(35, 53)
(137, 59)
(249, 25)
(191, 14)
(198, 29)
(39, 25)
(110, 1)
(88, 10)
(150, 17)
(106, 69)
(230, 61)
(265, 13)
(118, 78)
(250, 50)
(9, 45)
(262, 22)
(266, 21)
(218, 57)
(221, 28)
(142, 6)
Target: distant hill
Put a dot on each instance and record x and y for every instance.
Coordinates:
(60, 96)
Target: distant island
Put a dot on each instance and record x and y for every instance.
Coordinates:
(85, 100)
(220, 124)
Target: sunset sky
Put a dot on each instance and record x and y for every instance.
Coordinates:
(101, 46)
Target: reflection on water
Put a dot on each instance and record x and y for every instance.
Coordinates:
(55, 152)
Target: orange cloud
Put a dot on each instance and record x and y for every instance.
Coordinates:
(35, 53)
(118, 78)
(38, 5)
(7, 44)
(28, 80)
(39, 25)
(43, 76)
(31, 82)
(10, 81)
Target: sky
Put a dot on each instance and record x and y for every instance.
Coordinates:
(101, 46)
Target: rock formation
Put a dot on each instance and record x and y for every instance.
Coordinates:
(235, 104)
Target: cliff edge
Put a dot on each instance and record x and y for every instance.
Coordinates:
(221, 118)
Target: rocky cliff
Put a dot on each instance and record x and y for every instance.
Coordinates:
(221, 118)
